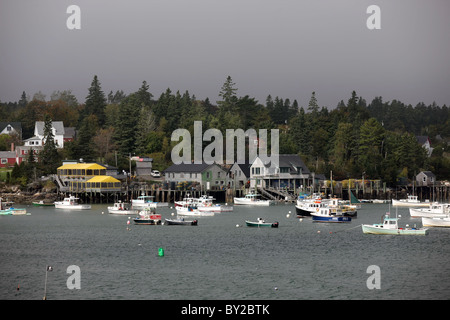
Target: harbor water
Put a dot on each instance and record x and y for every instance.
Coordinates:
(220, 258)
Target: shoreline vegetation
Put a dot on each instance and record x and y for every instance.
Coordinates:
(353, 140)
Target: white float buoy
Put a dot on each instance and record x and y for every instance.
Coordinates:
(172, 214)
(237, 226)
(288, 215)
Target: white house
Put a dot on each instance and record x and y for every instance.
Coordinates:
(290, 173)
(38, 138)
(425, 142)
(425, 178)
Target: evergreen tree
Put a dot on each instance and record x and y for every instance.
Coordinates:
(96, 102)
(49, 157)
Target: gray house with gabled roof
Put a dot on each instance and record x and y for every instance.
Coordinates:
(208, 176)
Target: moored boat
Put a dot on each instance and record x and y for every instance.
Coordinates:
(143, 202)
(148, 216)
(71, 202)
(436, 222)
(7, 208)
(411, 201)
(252, 199)
(122, 208)
(260, 222)
(389, 226)
(192, 210)
(41, 203)
(181, 222)
(435, 210)
(330, 214)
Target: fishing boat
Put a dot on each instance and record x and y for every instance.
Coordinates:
(206, 204)
(330, 214)
(192, 210)
(7, 208)
(306, 207)
(436, 222)
(435, 210)
(148, 216)
(260, 222)
(411, 201)
(252, 199)
(72, 203)
(41, 203)
(181, 222)
(143, 202)
(122, 208)
(390, 226)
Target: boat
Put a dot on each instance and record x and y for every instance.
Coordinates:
(143, 202)
(206, 204)
(122, 208)
(41, 203)
(148, 216)
(330, 214)
(436, 222)
(252, 199)
(390, 226)
(6, 208)
(411, 201)
(180, 222)
(71, 202)
(260, 222)
(306, 207)
(192, 210)
(435, 210)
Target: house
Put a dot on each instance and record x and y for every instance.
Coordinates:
(11, 128)
(209, 176)
(86, 177)
(38, 138)
(7, 159)
(290, 173)
(425, 142)
(144, 167)
(23, 152)
(240, 175)
(425, 178)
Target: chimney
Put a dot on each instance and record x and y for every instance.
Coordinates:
(12, 146)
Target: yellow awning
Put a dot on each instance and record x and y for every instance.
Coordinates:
(86, 166)
(103, 179)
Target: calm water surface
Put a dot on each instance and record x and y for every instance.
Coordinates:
(217, 259)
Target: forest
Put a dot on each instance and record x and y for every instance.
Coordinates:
(353, 138)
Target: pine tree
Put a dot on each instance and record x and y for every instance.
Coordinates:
(96, 102)
(49, 157)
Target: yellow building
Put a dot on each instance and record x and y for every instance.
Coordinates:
(87, 177)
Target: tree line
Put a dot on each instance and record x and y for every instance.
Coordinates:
(376, 139)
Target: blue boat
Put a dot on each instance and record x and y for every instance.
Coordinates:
(330, 215)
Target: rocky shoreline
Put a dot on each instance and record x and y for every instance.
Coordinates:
(16, 195)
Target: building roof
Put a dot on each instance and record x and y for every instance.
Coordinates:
(86, 166)
(16, 125)
(291, 161)
(428, 173)
(245, 168)
(103, 179)
(58, 125)
(7, 154)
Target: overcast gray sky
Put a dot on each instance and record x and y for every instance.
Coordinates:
(286, 48)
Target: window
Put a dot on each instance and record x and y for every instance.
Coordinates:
(4, 161)
(284, 169)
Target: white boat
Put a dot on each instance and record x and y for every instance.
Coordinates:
(436, 222)
(206, 204)
(122, 208)
(252, 199)
(143, 202)
(390, 227)
(71, 202)
(435, 210)
(192, 210)
(7, 208)
(411, 201)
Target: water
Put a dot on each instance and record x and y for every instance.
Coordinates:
(216, 259)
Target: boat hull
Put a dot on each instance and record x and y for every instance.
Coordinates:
(180, 222)
(371, 229)
(418, 213)
(216, 208)
(142, 221)
(302, 212)
(243, 201)
(122, 212)
(332, 219)
(399, 203)
(43, 204)
(261, 224)
(73, 207)
(436, 222)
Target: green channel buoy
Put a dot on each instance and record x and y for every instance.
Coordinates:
(161, 252)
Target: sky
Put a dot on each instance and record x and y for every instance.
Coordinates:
(285, 48)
